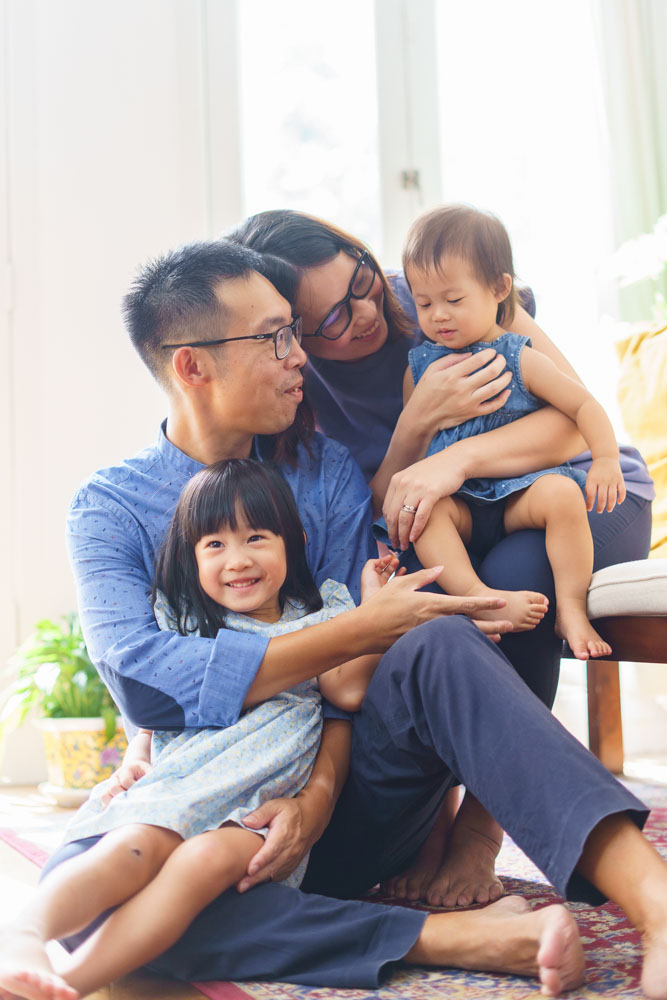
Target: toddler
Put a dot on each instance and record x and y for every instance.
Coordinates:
(458, 263)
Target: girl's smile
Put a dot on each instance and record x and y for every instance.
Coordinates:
(243, 569)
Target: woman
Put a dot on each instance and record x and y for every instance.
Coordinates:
(358, 328)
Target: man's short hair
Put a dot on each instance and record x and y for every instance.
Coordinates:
(172, 298)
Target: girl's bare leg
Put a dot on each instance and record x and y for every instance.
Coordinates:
(442, 542)
(556, 504)
(621, 863)
(116, 868)
(194, 874)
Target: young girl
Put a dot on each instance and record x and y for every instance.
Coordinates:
(458, 262)
(234, 557)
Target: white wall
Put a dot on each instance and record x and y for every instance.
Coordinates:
(107, 144)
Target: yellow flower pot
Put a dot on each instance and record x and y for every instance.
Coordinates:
(78, 757)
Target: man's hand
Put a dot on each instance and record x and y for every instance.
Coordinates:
(124, 778)
(286, 843)
(493, 630)
(604, 482)
(401, 606)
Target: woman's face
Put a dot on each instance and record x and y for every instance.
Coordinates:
(322, 288)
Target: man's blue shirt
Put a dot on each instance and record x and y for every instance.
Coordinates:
(116, 524)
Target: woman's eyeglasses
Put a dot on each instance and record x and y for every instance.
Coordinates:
(337, 320)
(282, 339)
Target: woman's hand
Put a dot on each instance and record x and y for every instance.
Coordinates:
(288, 840)
(414, 491)
(124, 778)
(605, 483)
(457, 388)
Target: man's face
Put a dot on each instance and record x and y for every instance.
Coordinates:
(257, 393)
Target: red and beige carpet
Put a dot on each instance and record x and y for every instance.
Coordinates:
(612, 947)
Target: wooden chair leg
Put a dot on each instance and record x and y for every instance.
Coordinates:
(605, 731)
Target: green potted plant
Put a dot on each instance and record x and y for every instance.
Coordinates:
(83, 737)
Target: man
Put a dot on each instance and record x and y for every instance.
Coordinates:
(444, 704)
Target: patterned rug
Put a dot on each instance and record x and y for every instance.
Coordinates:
(612, 947)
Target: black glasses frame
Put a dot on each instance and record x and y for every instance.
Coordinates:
(367, 260)
(295, 328)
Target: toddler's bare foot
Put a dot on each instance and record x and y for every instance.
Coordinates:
(543, 943)
(467, 874)
(573, 626)
(25, 970)
(523, 608)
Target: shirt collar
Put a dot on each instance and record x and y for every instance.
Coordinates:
(176, 458)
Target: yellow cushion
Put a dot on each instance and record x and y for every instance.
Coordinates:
(642, 394)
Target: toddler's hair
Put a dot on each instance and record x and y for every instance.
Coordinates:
(211, 500)
(462, 231)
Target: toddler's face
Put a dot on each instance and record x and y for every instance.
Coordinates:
(453, 307)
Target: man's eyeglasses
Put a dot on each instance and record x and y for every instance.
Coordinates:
(282, 339)
(337, 320)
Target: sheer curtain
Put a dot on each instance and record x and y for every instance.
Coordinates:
(632, 36)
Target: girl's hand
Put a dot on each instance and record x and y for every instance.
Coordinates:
(457, 388)
(376, 573)
(604, 480)
(419, 486)
(124, 778)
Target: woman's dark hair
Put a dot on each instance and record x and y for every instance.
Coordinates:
(213, 499)
(300, 241)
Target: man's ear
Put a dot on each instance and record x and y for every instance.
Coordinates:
(192, 366)
(503, 287)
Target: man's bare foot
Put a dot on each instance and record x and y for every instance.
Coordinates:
(523, 608)
(543, 943)
(654, 973)
(573, 626)
(25, 970)
(467, 873)
(414, 882)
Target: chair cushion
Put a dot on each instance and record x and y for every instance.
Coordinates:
(631, 588)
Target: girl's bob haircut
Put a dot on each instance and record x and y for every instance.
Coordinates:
(215, 498)
(292, 242)
(462, 231)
